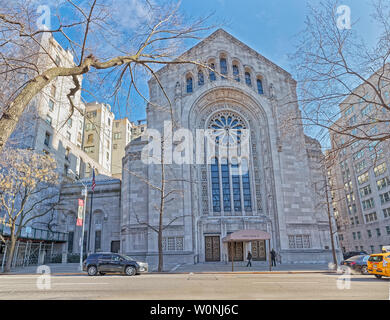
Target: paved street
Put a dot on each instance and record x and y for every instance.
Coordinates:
(196, 286)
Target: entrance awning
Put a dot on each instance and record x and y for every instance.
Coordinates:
(247, 235)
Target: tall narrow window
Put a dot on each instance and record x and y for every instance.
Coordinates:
(246, 186)
(260, 86)
(70, 241)
(226, 185)
(212, 72)
(236, 186)
(236, 73)
(200, 78)
(189, 84)
(215, 186)
(248, 79)
(223, 65)
(98, 240)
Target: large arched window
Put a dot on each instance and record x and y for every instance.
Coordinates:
(229, 177)
(200, 78)
(259, 86)
(236, 73)
(248, 79)
(223, 66)
(189, 84)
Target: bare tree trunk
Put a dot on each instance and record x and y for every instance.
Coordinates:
(11, 251)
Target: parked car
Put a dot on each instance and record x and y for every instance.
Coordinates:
(357, 263)
(379, 265)
(351, 254)
(102, 263)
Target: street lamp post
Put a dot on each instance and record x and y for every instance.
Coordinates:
(84, 193)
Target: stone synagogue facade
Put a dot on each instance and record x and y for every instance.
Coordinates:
(274, 188)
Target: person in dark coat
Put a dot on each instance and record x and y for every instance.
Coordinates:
(273, 257)
(249, 258)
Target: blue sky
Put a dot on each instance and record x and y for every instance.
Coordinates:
(268, 26)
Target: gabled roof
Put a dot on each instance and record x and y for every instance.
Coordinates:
(229, 37)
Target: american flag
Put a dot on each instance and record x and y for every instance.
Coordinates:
(93, 180)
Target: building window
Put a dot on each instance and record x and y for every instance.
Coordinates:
(216, 193)
(388, 230)
(383, 183)
(67, 152)
(90, 138)
(212, 72)
(248, 79)
(107, 156)
(260, 86)
(98, 240)
(173, 243)
(368, 204)
(381, 169)
(365, 191)
(200, 78)
(66, 169)
(117, 135)
(369, 233)
(378, 232)
(68, 136)
(89, 149)
(299, 241)
(189, 84)
(236, 73)
(223, 66)
(385, 197)
(53, 91)
(70, 122)
(386, 213)
(47, 139)
(363, 178)
(51, 105)
(115, 146)
(70, 241)
(360, 166)
(49, 120)
(371, 217)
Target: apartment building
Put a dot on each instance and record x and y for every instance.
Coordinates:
(360, 171)
(98, 133)
(121, 136)
(138, 128)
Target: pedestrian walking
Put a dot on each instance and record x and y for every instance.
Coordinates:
(249, 258)
(273, 257)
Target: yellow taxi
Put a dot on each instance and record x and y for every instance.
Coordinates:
(379, 264)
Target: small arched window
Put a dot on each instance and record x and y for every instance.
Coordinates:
(236, 73)
(212, 72)
(189, 84)
(260, 86)
(200, 78)
(223, 65)
(248, 80)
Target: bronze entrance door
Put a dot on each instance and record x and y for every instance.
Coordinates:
(212, 249)
(258, 250)
(237, 249)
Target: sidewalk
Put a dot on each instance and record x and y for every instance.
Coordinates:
(55, 268)
(223, 268)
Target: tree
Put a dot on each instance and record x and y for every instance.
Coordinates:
(127, 51)
(337, 71)
(28, 191)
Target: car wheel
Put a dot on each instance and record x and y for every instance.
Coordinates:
(378, 276)
(130, 271)
(364, 270)
(92, 271)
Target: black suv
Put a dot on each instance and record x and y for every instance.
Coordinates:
(102, 263)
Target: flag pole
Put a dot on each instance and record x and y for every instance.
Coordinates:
(90, 210)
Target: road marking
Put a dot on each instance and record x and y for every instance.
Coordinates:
(292, 282)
